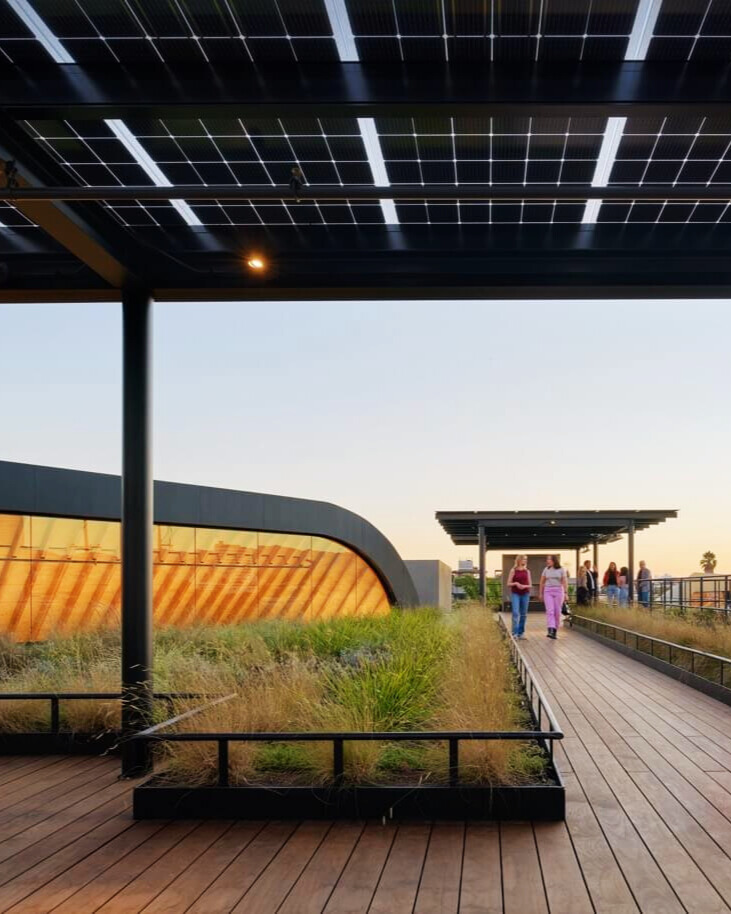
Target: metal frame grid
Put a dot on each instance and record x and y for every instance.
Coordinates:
(288, 30)
(510, 151)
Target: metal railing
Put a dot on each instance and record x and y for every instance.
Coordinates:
(711, 667)
(338, 738)
(698, 592)
(55, 699)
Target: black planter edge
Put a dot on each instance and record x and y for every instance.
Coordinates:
(547, 803)
(63, 743)
(713, 689)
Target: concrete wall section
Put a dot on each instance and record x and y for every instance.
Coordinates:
(433, 581)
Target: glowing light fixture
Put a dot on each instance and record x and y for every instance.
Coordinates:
(256, 263)
(148, 165)
(42, 33)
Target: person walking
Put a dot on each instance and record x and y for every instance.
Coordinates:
(611, 584)
(520, 584)
(623, 582)
(554, 589)
(644, 584)
(591, 581)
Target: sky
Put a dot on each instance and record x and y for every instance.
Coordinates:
(395, 410)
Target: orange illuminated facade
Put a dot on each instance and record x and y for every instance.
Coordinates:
(61, 575)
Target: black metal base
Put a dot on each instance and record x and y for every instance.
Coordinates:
(157, 800)
(715, 690)
(57, 743)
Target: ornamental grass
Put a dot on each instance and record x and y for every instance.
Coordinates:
(412, 670)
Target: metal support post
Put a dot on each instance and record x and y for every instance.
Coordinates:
(482, 546)
(631, 560)
(137, 689)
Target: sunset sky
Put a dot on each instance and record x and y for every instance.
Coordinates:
(398, 409)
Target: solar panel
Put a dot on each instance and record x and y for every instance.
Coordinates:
(216, 31)
(456, 151)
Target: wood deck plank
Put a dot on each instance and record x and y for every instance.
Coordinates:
(523, 888)
(160, 871)
(313, 889)
(441, 878)
(186, 888)
(229, 887)
(105, 871)
(401, 875)
(354, 890)
(272, 887)
(481, 891)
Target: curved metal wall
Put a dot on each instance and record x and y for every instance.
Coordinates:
(221, 555)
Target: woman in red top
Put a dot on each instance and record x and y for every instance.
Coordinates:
(519, 583)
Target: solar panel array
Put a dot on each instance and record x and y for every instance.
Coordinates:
(504, 152)
(106, 31)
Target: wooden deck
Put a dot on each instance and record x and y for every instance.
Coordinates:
(647, 762)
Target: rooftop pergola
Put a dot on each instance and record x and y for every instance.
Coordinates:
(553, 531)
(441, 150)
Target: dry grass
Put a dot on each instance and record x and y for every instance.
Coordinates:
(475, 697)
(694, 629)
(408, 671)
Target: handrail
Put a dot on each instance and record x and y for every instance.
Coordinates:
(673, 644)
(57, 697)
(530, 677)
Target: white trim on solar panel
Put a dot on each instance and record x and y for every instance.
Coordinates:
(43, 34)
(591, 211)
(372, 145)
(342, 31)
(149, 166)
(605, 163)
(643, 29)
(608, 152)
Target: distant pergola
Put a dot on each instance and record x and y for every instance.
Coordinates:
(554, 531)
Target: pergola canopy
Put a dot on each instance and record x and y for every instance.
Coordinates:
(551, 530)
(445, 150)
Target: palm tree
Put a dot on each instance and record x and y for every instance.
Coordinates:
(708, 562)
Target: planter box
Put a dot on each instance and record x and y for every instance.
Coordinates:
(157, 799)
(62, 743)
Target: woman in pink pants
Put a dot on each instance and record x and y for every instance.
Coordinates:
(553, 591)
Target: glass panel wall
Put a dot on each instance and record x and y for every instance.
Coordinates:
(60, 575)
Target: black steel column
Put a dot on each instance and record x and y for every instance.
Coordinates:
(631, 560)
(136, 527)
(482, 546)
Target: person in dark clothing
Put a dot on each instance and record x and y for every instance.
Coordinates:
(591, 581)
(611, 583)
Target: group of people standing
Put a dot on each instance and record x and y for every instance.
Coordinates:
(554, 589)
(616, 584)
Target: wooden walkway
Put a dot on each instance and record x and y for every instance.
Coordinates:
(647, 762)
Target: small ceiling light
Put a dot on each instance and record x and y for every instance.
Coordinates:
(255, 263)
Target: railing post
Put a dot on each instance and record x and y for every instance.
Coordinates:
(55, 715)
(338, 761)
(453, 762)
(223, 763)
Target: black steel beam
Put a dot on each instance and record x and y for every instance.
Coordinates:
(599, 89)
(88, 241)
(359, 192)
(137, 686)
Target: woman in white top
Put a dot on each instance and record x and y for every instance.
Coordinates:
(554, 590)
